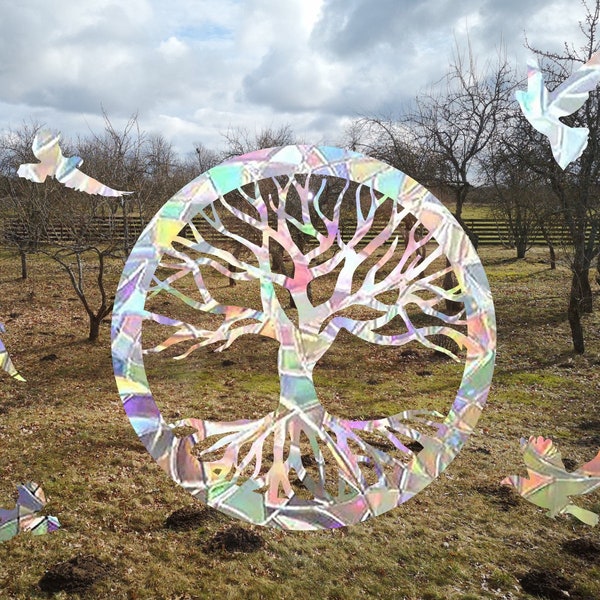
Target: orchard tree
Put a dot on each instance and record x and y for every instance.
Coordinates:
(522, 198)
(576, 188)
(65, 225)
(205, 157)
(240, 141)
(28, 206)
(441, 141)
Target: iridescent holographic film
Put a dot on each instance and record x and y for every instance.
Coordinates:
(53, 164)
(22, 518)
(543, 109)
(386, 244)
(6, 364)
(549, 484)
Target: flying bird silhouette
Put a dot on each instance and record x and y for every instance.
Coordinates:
(5, 362)
(550, 485)
(54, 164)
(543, 109)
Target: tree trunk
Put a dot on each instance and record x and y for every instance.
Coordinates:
(521, 247)
(473, 237)
(23, 256)
(581, 267)
(551, 250)
(574, 314)
(586, 292)
(125, 226)
(94, 328)
(552, 256)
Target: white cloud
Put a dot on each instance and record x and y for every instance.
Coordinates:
(192, 69)
(173, 48)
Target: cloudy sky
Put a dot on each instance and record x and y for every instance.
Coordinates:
(192, 69)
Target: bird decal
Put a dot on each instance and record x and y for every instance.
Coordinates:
(22, 517)
(550, 485)
(5, 362)
(54, 164)
(543, 109)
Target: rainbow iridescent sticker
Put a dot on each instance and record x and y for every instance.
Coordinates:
(386, 246)
(22, 518)
(549, 484)
(544, 109)
(6, 364)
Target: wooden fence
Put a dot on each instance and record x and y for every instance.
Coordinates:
(489, 231)
(492, 232)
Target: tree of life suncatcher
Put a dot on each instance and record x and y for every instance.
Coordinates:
(283, 198)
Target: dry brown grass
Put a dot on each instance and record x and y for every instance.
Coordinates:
(463, 537)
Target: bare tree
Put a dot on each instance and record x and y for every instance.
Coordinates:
(398, 144)
(240, 141)
(84, 233)
(27, 206)
(442, 140)
(576, 188)
(83, 243)
(522, 199)
(456, 121)
(206, 158)
(68, 226)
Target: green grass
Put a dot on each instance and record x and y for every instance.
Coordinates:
(458, 539)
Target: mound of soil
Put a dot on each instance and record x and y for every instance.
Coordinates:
(480, 449)
(570, 464)
(308, 460)
(190, 517)
(74, 575)
(544, 584)
(235, 539)
(414, 446)
(584, 547)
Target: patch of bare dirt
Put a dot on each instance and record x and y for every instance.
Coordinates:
(480, 450)
(583, 547)
(190, 517)
(234, 539)
(74, 575)
(546, 584)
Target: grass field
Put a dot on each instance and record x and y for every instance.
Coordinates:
(464, 537)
